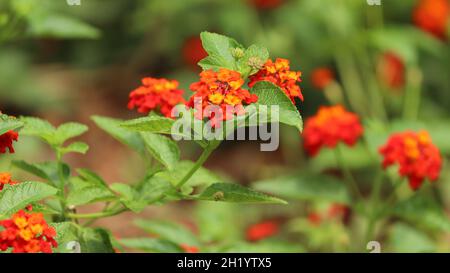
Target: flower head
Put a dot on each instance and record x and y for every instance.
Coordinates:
(5, 179)
(156, 95)
(262, 230)
(221, 95)
(321, 77)
(6, 141)
(330, 126)
(189, 249)
(279, 73)
(391, 70)
(433, 17)
(27, 233)
(193, 51)
(418, 158)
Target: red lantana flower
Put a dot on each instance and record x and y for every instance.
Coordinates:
(391, 70)
(6, 141)
(279, 73)
(433, 17)
(262, 230)
(193, 51)
(331, 125)
(5, 179)
(418, 158)
(321, 77)
(156, 95)
(27, 233)
(219, 96)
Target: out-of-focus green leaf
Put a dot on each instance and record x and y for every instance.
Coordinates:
(404, 238)
(95, 240)
(152, 245)
(306, 186)
(169, 231)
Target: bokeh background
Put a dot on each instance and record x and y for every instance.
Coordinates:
(68, 62)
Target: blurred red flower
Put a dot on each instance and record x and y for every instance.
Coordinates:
(27, 233)
(433, 17)
(321, 77)
(391, 70)
(315, 218)
(266, 4)
(156, 95)
(221, 96)
(262, 230)
(331, 125)
(189, 249)
(418, 158)
(6, 141)
(193, 51)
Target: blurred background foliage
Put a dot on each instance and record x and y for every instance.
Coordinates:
(67, 62)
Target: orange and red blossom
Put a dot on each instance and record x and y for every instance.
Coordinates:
(433, 16)
(156, 95)
(262, 230)
(330, 126)
(6, 141)
(27, 233)
(321, 77)
(417, 157)
(391, 70)
(279, 73)
(5, 179)
(219, 96)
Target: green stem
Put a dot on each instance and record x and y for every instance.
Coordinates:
(373, 213)
(411, 104)
(97, 214)
(200, 161)
(349, 179)
(61, 186)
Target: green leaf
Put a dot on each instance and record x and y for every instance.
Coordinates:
(130, 197)
(8, 125)
(18, 196)
(404, 238)
(46, 170)
(162, 148)
(168, 231)
(152, 124)
(270, 94)
(75, 147)
(152, 245)
(306, 187)
(202, 177)
(67, 131)
(227, 192)
(127, 137)
(61, 26)
(38, 128)
(271, 246)
(424, 212)
(152, 189)
(66, 232)
(219, 49)
(88, 195)
(91, 177)
(95, 240)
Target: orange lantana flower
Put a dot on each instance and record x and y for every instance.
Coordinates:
(279, 73)
(433, 17)
(321, 77)
(6, 141)
(156, 95)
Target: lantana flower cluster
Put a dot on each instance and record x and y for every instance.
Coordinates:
(156, 94)
(5, 179)
(280, 74)
(321, 77)
(433, 16)
(221, 89)
(417, 157)
(27, 233)
(262, 230)
(330, 126)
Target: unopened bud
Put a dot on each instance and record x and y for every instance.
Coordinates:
(237, 52)
(255, 63)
